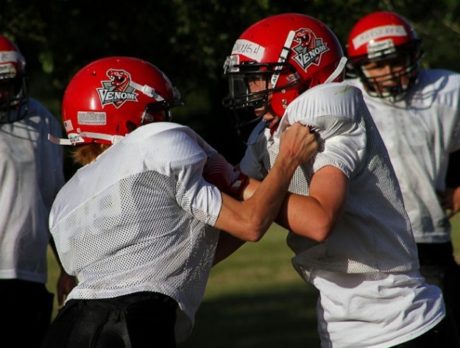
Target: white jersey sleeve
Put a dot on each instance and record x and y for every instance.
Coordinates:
(183, 155)
(333, 111)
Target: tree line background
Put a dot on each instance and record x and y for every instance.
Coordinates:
(189, 40)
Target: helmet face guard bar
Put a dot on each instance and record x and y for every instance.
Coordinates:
(239, 77)
(375, 85)
(407, 55)
(241, 101)
(159, 111)
(13, 99)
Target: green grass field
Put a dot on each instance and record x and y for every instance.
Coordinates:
(256, 299)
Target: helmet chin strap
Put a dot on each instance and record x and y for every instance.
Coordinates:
(147, 90)
(338, 70)
(282, 58)
(77, 138)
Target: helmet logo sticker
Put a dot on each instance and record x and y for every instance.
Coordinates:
(308, 48)
(118, 89)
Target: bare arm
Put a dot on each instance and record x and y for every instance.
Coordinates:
(451, 198)
(65, 282)
(310, 216)
(226, 246)
(250, 219)
(314, 216)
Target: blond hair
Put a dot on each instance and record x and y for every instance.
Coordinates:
(84, 154)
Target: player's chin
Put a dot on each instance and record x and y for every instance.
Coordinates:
(260, 112)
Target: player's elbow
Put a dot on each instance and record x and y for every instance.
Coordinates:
(255, 233)
(255, 230)
(322, 233)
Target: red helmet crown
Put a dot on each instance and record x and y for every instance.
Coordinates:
(112, 96)
(295, 51)
(12, 62)
(378, 35)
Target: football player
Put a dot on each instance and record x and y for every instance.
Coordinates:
(138, 225)
(417, 112)
(31, 174)
(348, 227)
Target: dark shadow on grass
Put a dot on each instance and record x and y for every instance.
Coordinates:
(280, 318)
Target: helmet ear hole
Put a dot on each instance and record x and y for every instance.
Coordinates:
(130, 126)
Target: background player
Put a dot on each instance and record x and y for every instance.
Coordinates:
(417, 111)
(31, 175)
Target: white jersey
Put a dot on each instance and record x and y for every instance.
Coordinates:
(139, 218)
(353, 253)
(374, 310)
(419, 133)
(30, 174)
(373, 205)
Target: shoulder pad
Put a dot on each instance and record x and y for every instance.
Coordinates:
(258, 129)
(325, 108)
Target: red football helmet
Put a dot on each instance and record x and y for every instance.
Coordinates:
(112, 96)
(385, 37)
(13, 87)
(291, 52)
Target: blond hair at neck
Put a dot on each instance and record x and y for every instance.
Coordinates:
(84, 154)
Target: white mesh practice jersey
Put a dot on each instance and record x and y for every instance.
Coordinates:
(373, 205)
(374, 310)
(370, 258)
(30, 175)
(419, 133)
(139, 218)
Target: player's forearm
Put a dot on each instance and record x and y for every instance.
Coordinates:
(250, 219)
(312, 221)
(315, 215)
(56, 255)
(226, 246)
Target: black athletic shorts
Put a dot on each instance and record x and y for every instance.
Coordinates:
(26, 309)
(137, 320)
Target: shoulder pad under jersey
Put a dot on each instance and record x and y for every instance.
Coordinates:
(258, 129)
(326, 108)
